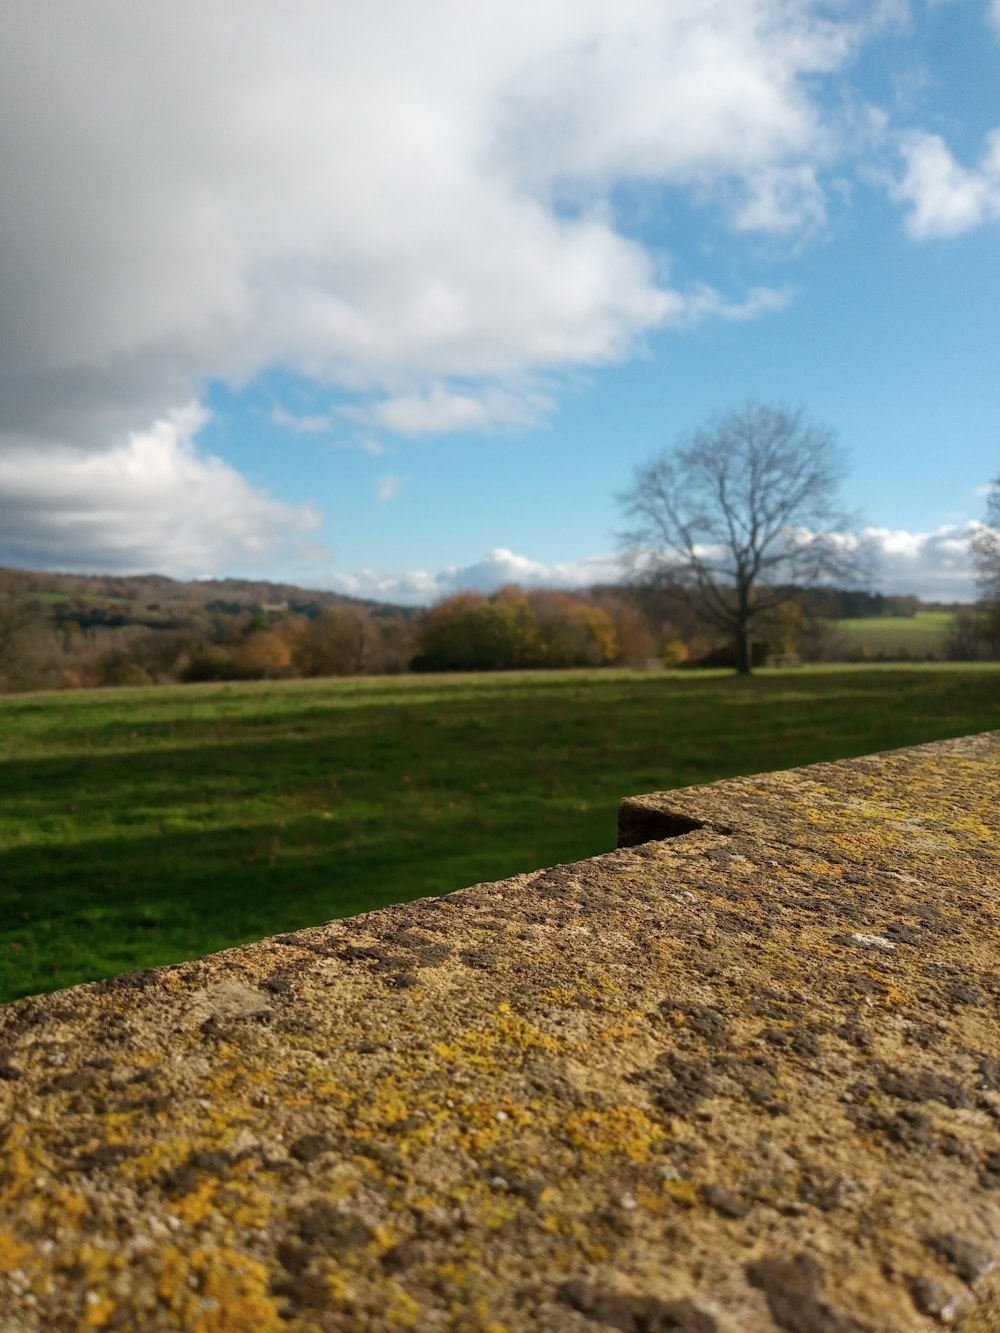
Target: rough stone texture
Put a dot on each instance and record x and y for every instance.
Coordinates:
(744, 1079)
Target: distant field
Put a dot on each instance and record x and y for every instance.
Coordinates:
(145, 826)
(918, 635)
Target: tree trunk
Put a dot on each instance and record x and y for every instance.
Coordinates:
(744, 651)
(744, 646)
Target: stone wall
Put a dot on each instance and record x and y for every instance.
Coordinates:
(741, 1074)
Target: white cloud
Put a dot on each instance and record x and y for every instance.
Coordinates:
(946, 198)
(705, 302)
(415, 203)
(390, 486)
(495, 570)
(302, 423)
(933, 565)
(149, 502)
(389, 198)
(441, 409)
(784, 199)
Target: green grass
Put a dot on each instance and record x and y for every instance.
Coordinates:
(919, 635)
(145, 826)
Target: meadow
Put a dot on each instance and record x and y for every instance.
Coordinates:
(919, 636)
(146, 826)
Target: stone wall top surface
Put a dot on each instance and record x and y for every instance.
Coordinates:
(745, 1078)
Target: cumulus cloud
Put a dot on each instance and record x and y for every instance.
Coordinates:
(495, 570)
(945, 198)
(197, 192)
(933, 565)
(150, 502)
(418, 206)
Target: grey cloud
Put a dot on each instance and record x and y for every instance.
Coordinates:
(152, 503)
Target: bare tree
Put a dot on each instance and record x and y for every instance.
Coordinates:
(986, 557)
(737, 513)
(986, 547)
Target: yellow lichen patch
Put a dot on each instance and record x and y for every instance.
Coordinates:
(383, 1239)
(69, 1207)
(578, 1233)
(682, 1192)
(650, 1202)
(497, 1210)
(490, 1122)
(338, 1285)
(199, 1204)
(401, 1310)
(393, 1101)
(99, 1309)
(517, 1031)
(597, 986)
(454, 1281)
(897, 996)
(13, 1252)
(117, 1125)
(479, 1046)
(486, 1113)
(170, 981)
(246, 1205)
(97, 1264)
(217, 1290)
(625, 1129)
(238, 1315)
(328, 1091)
(159, 1157)
(22, 1160)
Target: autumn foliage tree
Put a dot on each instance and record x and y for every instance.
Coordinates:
(340, 641)
(514, 629)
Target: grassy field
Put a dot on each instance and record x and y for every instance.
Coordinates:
(145, 826)
(918, 635)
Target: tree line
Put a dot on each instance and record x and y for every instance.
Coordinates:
(733, 538)
(53, 641)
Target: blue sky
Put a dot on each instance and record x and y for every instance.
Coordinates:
(394, 301)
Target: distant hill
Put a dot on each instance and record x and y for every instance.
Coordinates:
(71, 630)
(158, 592)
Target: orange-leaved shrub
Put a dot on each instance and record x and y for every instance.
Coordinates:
(515, 629)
